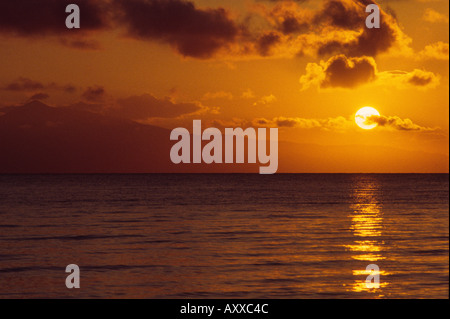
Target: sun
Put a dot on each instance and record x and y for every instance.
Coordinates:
(363, 114)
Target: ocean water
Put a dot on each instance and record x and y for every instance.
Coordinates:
(224, 236)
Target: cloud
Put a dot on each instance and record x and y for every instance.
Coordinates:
(266, 42)
(24, 84)
(270, 28)
(292, 25)
(433, 16)
(265, 100)
(278, 29)
(342, 14)
(416, 78)
(69, 88)
(39, 96)
(193, 32)
(351, 15)
(248, 94)
(218, 95)
(397, 123)
(147, 106)
(288, 17)
(47, 17)
(339, 123)
(336, 27)
(438, 51)
(342, 72)
(94, 94)
(420, 78)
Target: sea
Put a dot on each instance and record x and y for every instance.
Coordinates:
(205, 236)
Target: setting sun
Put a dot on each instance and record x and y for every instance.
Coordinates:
(362, 118)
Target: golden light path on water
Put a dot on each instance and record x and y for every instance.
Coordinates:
(367, 227)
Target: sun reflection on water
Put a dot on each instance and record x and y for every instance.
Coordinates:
(367, 228)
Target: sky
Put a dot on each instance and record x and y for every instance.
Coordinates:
(303, 66)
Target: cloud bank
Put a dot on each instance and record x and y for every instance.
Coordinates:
(341, 123)
(397, 123)
(267, 29)
(344, 72)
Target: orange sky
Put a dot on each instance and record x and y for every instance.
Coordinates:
(303, 66)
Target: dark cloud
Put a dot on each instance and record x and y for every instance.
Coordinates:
(39, 96)
(69, 88)
(261, 122)
(341, 71)
(47, 17)
(94, 94)
(292, 25)
(417, 78)
(266, 42)
(351, 15)
(203, 33)
(287, 18)
(285, 122)
(344, 19)
(24, 84)
(339, 123)
(341, 14)
(147, 106)
(372, 41)
(348, 72)
(397, 123)
(192, 31)
(421, 78)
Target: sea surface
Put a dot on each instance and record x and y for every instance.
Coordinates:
(225, 236)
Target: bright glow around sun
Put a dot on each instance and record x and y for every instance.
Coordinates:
(363, 114)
